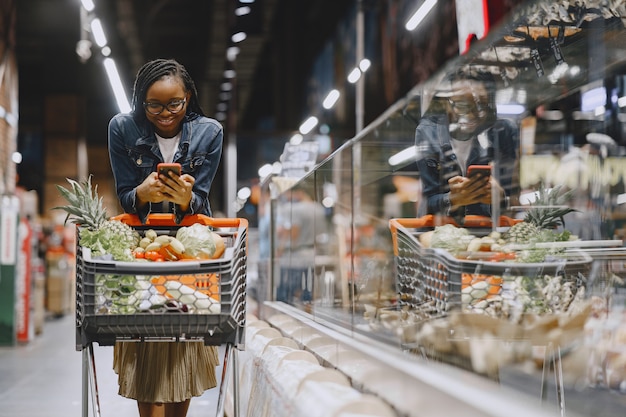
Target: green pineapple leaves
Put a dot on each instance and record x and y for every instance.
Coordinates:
(85, 207)
(549, 209)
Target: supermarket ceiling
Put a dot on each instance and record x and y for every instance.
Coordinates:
(197, 33)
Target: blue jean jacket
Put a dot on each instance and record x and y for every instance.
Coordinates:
(437, 162)
(134, 153)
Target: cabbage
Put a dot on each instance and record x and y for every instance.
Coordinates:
(198, 241)
(450, 237)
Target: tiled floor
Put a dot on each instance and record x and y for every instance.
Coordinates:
(44, 379)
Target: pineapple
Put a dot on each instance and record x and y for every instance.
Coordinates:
(97, 232)
(546, 213)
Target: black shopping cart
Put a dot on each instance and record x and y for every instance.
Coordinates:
(106, 315)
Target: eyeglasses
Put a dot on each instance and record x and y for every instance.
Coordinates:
(157, 108)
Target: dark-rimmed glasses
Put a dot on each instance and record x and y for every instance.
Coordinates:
(173, 106)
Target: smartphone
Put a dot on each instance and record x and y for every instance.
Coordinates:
(476, 171)
(165, 169)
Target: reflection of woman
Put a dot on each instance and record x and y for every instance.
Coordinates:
(460, 129)
(166, 125)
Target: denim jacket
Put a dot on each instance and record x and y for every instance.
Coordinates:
(437, 162)
(134, 153)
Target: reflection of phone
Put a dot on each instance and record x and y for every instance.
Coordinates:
(479, 171)
(165, 169)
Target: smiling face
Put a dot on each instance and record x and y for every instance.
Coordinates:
(167, 91)
(468, 105)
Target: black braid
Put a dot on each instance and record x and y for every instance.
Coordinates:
(155, 70)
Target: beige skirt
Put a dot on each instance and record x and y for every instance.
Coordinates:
(164, 372)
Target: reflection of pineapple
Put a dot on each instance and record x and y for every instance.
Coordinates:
(97, 232)
(547, 212)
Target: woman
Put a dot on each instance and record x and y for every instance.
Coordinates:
(166, 124)
(460, 129)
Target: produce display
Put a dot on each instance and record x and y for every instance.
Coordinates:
(110, 239)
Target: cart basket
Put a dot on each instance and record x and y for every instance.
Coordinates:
(108, 292)
(434, 281)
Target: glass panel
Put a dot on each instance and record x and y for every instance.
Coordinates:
(541, 103)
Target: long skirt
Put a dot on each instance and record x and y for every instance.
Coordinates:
(164, 372)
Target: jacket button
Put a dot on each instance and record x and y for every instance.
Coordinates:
(139, 161)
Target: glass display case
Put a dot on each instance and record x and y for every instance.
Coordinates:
(376, 240)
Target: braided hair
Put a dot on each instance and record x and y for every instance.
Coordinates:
(155, 70)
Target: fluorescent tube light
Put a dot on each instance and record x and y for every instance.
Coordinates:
(308, 125)
(98, 32)
(404, 155)
(331, 99)
(354, 75)
(238, 37)
(296, 139)
(242, 11)
(116, 85)
(88, 5)
(365, 64)
(420, 14)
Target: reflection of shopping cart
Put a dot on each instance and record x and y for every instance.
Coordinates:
(436, 281)
(439, 287)
(217, 319)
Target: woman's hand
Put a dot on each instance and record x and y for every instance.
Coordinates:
(465, 191)
(177, 189)
(149, 191)
(158, 188)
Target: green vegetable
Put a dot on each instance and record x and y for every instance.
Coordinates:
(104, 241)
(198, 241)
(450, 237)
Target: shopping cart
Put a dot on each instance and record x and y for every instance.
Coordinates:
(444, 282)
(221, 323)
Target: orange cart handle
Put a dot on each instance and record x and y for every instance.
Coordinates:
(469, 221)
(167, 219)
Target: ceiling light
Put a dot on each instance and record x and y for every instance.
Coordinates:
(98, 32)
(106, 51)
(296, 139)
(116, 85)
(244, 193)
(225, 96)
(354, 75)
(238, 37)
(229, 73)
(404, 155)
(242, 11)
(227, 86)
(420, 14)
(365, 64)
(308, 125)
(621, 101)
(88, 5)
(246, 1)
(331, 99)
(265, 170)
(231, 53)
